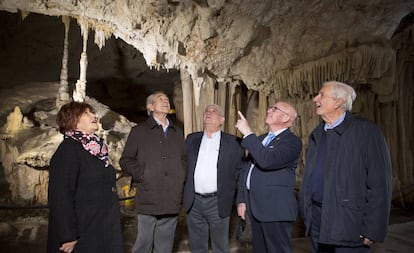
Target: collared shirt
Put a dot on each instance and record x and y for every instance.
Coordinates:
(205, 174)
(336, 123)
(276, 133)
(159, 123)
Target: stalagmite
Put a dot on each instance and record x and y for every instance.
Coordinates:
(14, 121)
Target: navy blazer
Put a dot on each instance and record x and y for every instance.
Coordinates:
(229, 164)
(273, 179)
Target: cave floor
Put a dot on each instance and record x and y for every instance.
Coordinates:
(26, 231)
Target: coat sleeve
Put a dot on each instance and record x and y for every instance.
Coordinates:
(63, 178)
(275, 158)
(378, 186)
(129, 158)
(241, 187)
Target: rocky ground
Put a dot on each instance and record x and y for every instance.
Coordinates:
(25, 230)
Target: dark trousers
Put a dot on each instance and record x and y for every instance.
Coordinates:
(204, 220)
(327, 248)
(270, 237)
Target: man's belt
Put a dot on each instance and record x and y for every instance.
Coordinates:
(207, 195)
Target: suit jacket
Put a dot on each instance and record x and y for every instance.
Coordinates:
(272, 181)
(229, 164)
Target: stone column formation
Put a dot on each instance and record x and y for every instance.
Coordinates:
(63, 92)
(79, 93)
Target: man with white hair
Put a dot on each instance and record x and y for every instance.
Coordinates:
(345, 196)
(154, 156)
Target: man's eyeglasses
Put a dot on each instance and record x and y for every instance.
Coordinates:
(275, 108)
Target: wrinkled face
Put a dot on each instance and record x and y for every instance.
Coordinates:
(325, 102)
(161, 104)
(212, 117)
(276, 114)
(88, 122)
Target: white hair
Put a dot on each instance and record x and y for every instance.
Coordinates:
(217, 107)
(344, 91)
(150, 99)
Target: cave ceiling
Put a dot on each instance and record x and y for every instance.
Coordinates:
(243, 40)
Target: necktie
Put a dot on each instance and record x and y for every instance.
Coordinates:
(265, 142)
(269, 137)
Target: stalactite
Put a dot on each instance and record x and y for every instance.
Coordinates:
(261, 113)
(187, 84)
(252, 105)
(221, 93)
(178, 101)
(231, 113)
(363, 64)
(101, 35)
(63, 92)
(207, 96)
(24, 14)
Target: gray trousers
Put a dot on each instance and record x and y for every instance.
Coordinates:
(202, 220)
(155, 234)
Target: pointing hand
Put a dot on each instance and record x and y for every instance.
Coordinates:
(242, 125)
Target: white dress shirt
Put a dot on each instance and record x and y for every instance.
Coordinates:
(205, 174)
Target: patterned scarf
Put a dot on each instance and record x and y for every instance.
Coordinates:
(91, 143)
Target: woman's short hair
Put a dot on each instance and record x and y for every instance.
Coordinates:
(69, 115)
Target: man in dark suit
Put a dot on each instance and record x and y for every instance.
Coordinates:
(214, 160)
(266, 186)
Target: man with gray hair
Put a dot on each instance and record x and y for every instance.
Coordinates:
(214, 159)
(154, 156)
(345, 196)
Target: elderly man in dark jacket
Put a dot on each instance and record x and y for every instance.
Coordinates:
(154, 156)
(345, 196)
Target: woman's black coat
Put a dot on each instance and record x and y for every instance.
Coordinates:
(83, 203)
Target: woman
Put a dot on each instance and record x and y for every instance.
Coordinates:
(83, 202)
